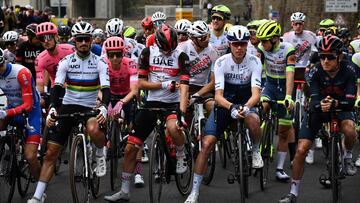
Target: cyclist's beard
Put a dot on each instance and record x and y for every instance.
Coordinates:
(51, 49)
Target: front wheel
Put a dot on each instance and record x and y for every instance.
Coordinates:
(183, 181)
(157, 176)
(7, 171)
(114, 155)
(24, 176)
(334, 174)
(241, 178)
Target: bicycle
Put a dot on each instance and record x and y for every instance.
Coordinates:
(83, 179)
(298, 107)
(197, 128)
(13, 166)
(162, 163)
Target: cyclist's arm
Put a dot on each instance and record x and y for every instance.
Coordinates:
(39, 75)
(350, 93)
(208, 87)
(24, 79)
(184, 65)
(314, 88)
(104, 81)
(255, 82)
(219, 86)
(144, 72)
(59, 83)
(290, 68)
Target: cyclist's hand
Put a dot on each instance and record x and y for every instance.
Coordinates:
(182, 120)
(234, 110)
(117, 108)
(169, 85)
(50, 121)
(244, 111)
(3, 114)
(289, 103)
(357, 102)
(193, 98)
(101, 117)
(110, 110)
(325, 105)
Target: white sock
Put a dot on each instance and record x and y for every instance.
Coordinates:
(281, 160)
(40, 189)
(180, 151)
(348, 154)
(196, 183)
(295, 185)
(125, 182)
(99, 151)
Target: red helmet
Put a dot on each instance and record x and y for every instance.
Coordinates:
(330, 43)
(147, 22)
(46, 29)
(114, 44)
(166, 38)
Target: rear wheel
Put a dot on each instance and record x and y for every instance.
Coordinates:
(334, 174)
(24, 176)
(7, 170)
(114, 155)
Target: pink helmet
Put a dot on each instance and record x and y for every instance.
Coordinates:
(46, 28)
(114, 43)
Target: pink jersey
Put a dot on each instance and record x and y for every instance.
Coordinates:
(120, 79)
(48, 62)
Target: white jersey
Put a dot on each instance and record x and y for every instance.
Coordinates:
(237, 79)
(136, 52)
(201, 64)
(304, 45)
(9, 56)
(128, 50)
(84, 77)
(220, 43)
(355, 44)
(251, 49)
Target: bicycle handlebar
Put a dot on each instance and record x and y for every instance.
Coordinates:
(78, 115)
(163, 110)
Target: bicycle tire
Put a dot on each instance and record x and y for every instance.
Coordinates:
(157, 169)
(94, 181)
(221, 150)
(265, 149)
(209, 173)
(241, 178)
(297, 120)
(183, 181)
(113, 155)
(23, 176)
(7, 159)
(334, 173)
(77, 159)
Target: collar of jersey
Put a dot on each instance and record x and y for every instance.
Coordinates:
(7, 71)
(81, 58)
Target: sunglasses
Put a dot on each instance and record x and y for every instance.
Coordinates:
(182, 33)
(148, 28)
(118, 54)
(216, 18)
(328, 56)
(252, 32)
(44, 38)
(202, 38)
(158, 23)
(264, 40)
(238, 44)
(298, 23)
(10, 43)
(81, 39)
(64, 38)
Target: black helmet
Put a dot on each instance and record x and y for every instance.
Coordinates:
(330, 43)
(31, 30)
(64, 31)
(166, 38)
(344, 33)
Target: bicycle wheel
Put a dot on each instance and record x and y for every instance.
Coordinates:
(297, 120)
(114, 172)
(23, 175)
(79, 184)
(157, 176)
(265, 149)
(240, 168)
(7, 170)
(183, 181)
(334, 173)
(93, 178)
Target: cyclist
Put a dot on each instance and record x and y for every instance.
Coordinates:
(158, 67)
(333, 79)
(237, 91)
(354, 46)
(181, 27)
(148, 29)
(10, 38)
(355, 59)
(326, 23)
(129, 32)
(64, 33)
(99, 36)
(304, 42)
(29, 50)
(158, 18)
(202, 59)
(220, 14)
(84, 73)
(278, 58)
(19, 88)
(252, 26)
(345, 36)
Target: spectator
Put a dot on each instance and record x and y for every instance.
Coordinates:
(10, 20)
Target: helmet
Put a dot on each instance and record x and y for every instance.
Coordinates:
(166, 38)
(114, 43)
(344, 33)
(298, 16)
(331, 31)
(182, 25)
(158, 16)
(358, 25)
(114, 26)
(98, 33)
(198, 28)
(82, 28)
(268, 30)
(129, 32)
(64, 31)
(147, 22)
(223, 10)
(254, 24)
(10, 36)
(2, 58)
(46, 28)
(330, 43)
(31, 29)
(227, 26)
(238, 33)
(326, 23)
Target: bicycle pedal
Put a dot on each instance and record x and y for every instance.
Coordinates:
(231, 179)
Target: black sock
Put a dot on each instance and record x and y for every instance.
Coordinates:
(292, 150)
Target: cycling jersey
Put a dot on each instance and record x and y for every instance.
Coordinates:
(304, 45)
(251, 49)
(201, 64)
(220, 43)
(26, 55)
(130, 46)
(150, 40)
(160, 68)
(275, 62)
(355, 45)
(237, 79)
(135, 53)
(356, 61)
(120, 79)
(9, 56)
(82, 76)
(141, 39)
(96, 49)
(47, 61)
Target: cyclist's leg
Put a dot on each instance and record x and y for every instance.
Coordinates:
(348, 128)
(252, 122)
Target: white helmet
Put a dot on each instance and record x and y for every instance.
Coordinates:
(198, 28)
(2, 57)
(238, 33)
(114, 27)
(297, 16)
(158, 16)
(82, 28)
(98, 32)
(10, 36)
(182, 25)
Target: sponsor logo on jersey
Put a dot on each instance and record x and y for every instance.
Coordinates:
(163, 61)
